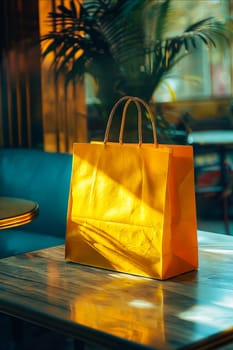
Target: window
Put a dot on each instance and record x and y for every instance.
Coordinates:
(204, 72)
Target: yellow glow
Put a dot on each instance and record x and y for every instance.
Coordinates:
(127, 276)
(141, 304)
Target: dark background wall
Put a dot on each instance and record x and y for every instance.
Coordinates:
(20, 71)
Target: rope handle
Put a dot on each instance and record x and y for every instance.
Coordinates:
(138, 102)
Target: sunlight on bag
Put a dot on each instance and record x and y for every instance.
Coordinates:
(132, 206)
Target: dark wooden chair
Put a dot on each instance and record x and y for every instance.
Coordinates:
(214, 173)
(213, 186)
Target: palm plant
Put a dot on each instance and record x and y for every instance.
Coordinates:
(123, 44)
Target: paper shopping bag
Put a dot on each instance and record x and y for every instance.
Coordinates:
(132, 206)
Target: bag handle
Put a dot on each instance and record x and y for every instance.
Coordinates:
(138, 102)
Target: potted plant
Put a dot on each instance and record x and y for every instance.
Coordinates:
(124, 45)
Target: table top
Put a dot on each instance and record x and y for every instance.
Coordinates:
(117, 310)
(211, 137)
(16, 211)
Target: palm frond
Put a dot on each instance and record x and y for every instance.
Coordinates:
(127, 36)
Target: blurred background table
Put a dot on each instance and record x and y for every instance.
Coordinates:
(219, 141)
(211, 137)
(214, 177)
(16, 211)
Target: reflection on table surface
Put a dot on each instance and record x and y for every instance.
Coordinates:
(124, 311)
(16, 211)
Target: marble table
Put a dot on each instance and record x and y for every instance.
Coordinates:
(120, 311)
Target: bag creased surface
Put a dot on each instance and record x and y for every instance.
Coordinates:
(132, 209)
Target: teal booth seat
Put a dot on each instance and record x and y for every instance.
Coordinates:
(43, 177)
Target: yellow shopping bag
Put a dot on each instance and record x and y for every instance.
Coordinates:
(132, 206)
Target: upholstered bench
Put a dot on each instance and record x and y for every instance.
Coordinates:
(42, 177)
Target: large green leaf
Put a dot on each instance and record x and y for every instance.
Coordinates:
(127, 37)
